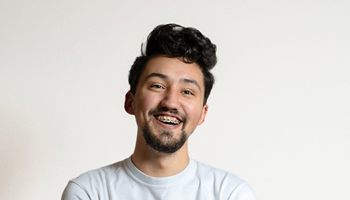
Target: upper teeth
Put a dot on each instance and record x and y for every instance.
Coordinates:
(167, 119)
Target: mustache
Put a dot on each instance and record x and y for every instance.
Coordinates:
(173, 111)
(164, 109)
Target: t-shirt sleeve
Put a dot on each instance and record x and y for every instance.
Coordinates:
(74, 192)
(243, 192)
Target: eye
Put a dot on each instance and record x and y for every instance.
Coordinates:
(157, 86)
(188, 92)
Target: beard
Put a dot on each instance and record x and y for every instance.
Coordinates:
(165, 143)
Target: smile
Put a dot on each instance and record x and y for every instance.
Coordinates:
(169, 120)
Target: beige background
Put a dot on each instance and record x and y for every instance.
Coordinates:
(279, 113)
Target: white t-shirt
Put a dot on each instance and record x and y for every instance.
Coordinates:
(123, 181)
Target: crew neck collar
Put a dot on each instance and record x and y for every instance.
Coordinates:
(161, 181)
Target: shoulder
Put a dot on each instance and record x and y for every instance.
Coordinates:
(91, 183)
(226, 184)
(210, 173)
(101, 174)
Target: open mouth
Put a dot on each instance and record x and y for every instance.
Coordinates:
(168, 120)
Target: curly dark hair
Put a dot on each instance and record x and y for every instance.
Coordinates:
(176, 41)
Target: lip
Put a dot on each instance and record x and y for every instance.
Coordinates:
(169, 115)
(167, 126)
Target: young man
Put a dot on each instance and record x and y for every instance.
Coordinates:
(169, 86)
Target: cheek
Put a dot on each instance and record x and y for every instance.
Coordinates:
(142, 107)
(145, 103)
(194, 113)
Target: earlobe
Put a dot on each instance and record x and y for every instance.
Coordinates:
(204, 113)
(128, 103)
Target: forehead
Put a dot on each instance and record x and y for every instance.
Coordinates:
(174, 68)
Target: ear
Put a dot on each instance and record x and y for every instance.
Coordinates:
(128, 103)
(204, 113)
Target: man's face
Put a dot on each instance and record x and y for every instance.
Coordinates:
(168, 102)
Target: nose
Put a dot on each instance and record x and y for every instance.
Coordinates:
(170, 99)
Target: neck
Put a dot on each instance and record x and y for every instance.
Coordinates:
(157, 164)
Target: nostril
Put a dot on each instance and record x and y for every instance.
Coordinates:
(169, 103)
(169, 110)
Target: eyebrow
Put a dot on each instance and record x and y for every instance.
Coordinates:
(163, 76)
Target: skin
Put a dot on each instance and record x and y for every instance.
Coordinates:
(166, 84)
